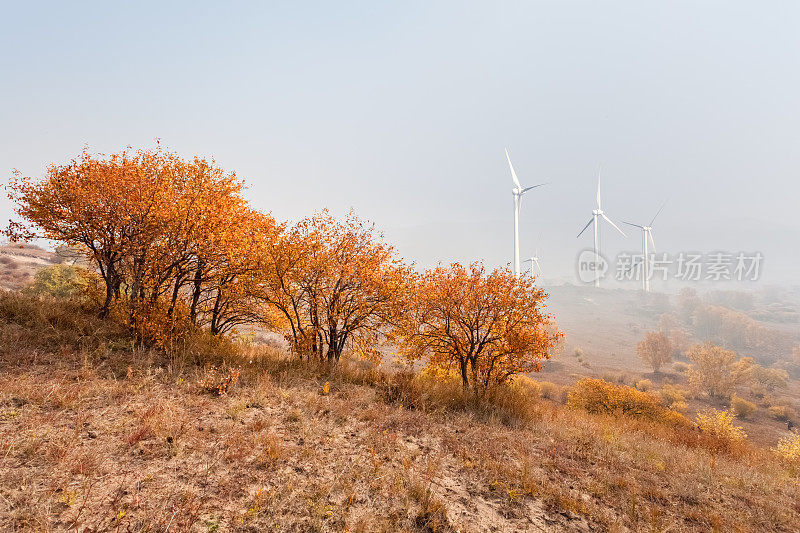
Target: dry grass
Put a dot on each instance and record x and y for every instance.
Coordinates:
(96, 435)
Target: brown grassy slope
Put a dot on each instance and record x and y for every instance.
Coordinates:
(20, 262)
(96, 437)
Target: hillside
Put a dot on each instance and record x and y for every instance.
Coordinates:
(20, 262)
(98, 436)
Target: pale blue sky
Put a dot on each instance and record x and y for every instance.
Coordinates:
(401, 111)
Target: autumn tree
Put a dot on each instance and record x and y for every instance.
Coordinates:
(655, 350)
(164, 232)
(485, 326)
(335, 283)
(761, 379)
(82, 203)
(713, 370)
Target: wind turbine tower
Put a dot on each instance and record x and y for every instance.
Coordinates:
(517, 191)
(597, 214)
(534, 261)
(647, 233)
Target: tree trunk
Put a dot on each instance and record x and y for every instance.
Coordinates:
(464, 378)
(196, 289)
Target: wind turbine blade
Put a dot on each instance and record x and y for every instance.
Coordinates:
(650, 234)
(532, 187)
(615, 226)
(598, 189)
(632, 224)
(527, 260)
(539, 267)
(658, 213)
(586, 226)
(513, 174)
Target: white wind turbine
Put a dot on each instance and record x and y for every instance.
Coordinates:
(534, 261)
(596, 214)
(647, 233)
(518, 191)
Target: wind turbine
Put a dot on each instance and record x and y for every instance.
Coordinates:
(596, 214)
(534, 261)
(517, 191)
(647, 233)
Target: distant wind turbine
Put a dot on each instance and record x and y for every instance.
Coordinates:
(534, 261)
(517, 191)
(596, 214)
(647, 233)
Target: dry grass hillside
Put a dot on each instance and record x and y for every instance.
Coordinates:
(20, 262)
(97, 434)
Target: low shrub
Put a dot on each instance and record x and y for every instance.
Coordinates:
(718, 425)
(513, 404)
(553, 392)
(598, 396)
(742, 408)
(680, 367)
(781, 413)
(526, 386)
(679, 407)
(672, 394)
(615, 377)
(789, 448)
(62, 281)
(644, 385)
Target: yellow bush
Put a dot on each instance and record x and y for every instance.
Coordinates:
(62, 281)
(681, 367)
(741, 407)
(644, 385)
(672, 394)
(719, 424)
(779, 412)
(527, 386)
(679, 406)
(551, 391)
(789, 448)
(598, 396)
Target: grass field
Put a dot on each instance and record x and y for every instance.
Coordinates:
(96, 435)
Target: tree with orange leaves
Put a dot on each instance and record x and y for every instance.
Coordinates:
(110, 207)
(486, 326)
(159, 229)
(336, 284)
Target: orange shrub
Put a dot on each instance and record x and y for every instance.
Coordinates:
(598, 396)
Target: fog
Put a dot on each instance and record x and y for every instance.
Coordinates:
(402, 113)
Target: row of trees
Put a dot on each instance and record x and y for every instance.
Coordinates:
(176, 243)
(714, 370)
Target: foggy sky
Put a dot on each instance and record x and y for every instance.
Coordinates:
(402, 113)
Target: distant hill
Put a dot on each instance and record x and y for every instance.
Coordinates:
(19, 263)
